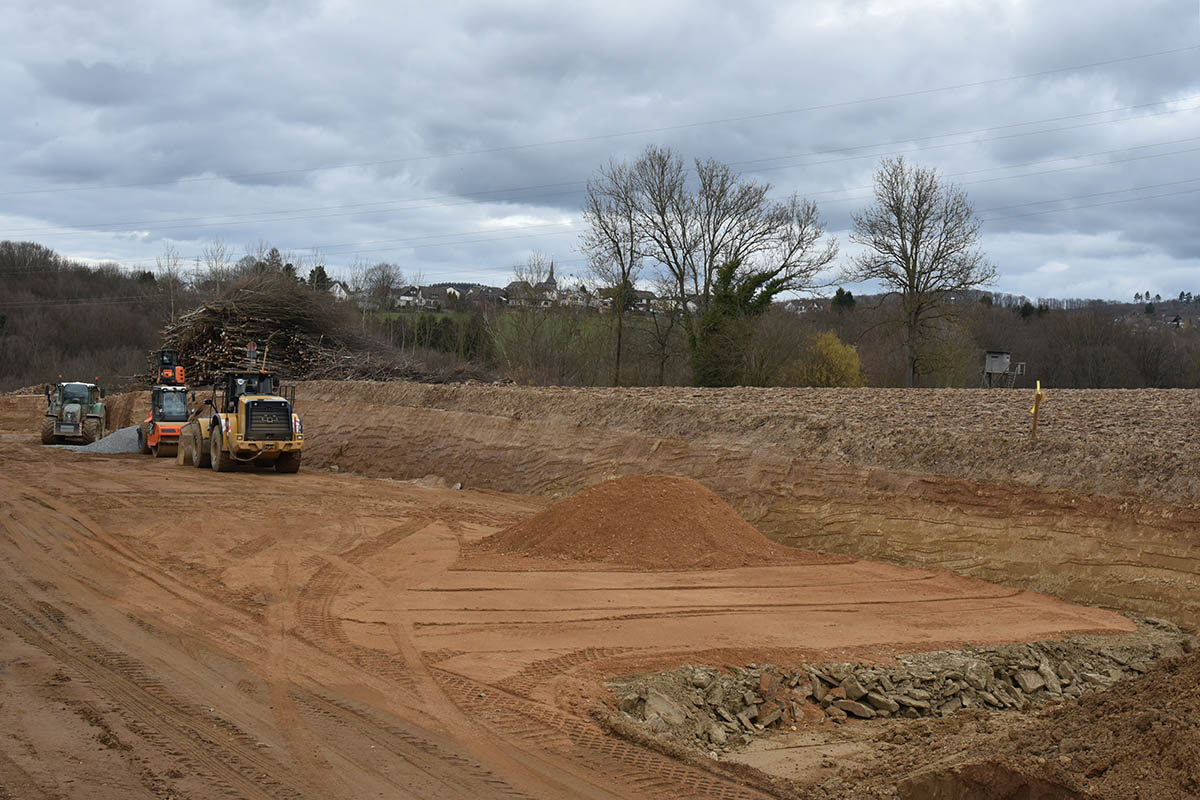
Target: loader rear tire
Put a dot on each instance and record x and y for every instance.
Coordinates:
(47, 430)
(220, 460)
(288, 462)
(93, 430)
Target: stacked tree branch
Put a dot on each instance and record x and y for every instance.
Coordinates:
(303, 334)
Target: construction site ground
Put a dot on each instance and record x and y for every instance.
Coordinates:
(173, 632)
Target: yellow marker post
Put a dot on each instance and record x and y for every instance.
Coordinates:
(1038, 396)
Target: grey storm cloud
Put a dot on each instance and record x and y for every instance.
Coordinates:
(455, 139)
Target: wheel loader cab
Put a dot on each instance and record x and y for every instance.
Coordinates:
(252, 421)
(246, 384)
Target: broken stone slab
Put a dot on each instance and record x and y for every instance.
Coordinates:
(883, 702)
(978, 675)
(725, 715)
(854, 690)
(818, 688)
(659, 704)
(630, 703)
(853, 707)
(716, 734)
(910, 702)
(1050, 677)
(836, 693)
(769, 713)
(835, 714)
(745, 720)
(950, 706)
(716, 694)
(838, 672)
(990, 699)
(1029, 680)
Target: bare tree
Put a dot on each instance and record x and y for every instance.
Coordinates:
(216, 269)
(169, 269)
(613, 242)
(381, 280)
(689, 235)
(921, 237)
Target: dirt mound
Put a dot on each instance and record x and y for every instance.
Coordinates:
(643, 522)
(1139, 739)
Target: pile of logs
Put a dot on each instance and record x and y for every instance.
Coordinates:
(301, 335)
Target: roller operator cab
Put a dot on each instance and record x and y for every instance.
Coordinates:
(159, 432)
(251, 421)
(74, 412)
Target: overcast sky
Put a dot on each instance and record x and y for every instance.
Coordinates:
(454, 139)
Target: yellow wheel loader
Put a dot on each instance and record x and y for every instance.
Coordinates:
(248, 421)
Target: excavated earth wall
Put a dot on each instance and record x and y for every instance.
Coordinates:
(1101, 509)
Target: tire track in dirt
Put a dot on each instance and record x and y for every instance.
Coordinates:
(526, 681)
(446, 772)
(200, 742)
(321, 628)
(303, 745)
(637, 772)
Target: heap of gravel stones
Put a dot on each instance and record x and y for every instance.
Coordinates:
(713, 709)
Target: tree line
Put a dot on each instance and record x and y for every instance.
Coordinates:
(721, 255)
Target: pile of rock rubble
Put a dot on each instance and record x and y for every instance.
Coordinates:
(714, 709)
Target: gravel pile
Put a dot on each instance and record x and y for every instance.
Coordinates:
(123, 440)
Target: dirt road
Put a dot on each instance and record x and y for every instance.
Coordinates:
(173, 632)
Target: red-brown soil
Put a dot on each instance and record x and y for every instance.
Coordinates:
(654, 522)
(174, 631)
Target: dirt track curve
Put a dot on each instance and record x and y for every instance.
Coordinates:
(168, 631)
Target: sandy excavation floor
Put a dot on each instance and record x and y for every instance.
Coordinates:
(172, 632)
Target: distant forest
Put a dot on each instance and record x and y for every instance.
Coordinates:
(58, 317)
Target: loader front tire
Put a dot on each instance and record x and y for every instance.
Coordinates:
(220, 460)
(201, 457)
(288, 462)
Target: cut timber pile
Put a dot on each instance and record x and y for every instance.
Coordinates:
(304, 334)
(643, 522)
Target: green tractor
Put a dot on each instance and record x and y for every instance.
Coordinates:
(74, 412)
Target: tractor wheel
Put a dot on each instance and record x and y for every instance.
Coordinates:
(219, 459)
(143, 444)
(201, 457)
(47, 430)
(93, 430)
(288, 462)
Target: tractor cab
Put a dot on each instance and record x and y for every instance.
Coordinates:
(167, 370)
(74, 410)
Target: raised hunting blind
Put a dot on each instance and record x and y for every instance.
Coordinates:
(999, 370)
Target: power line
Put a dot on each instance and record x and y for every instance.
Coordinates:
(1092, 205)
(621, 134)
